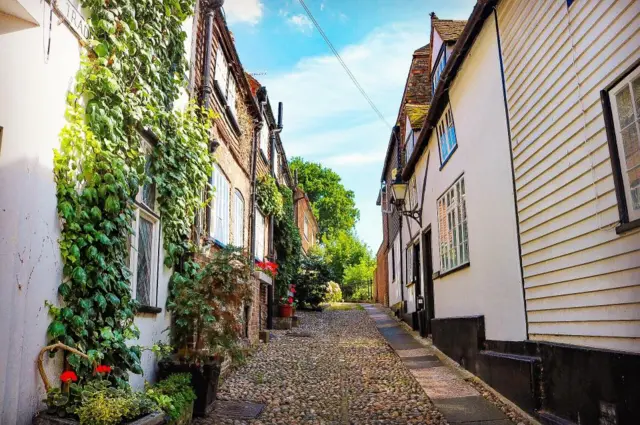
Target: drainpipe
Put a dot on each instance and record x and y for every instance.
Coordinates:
(207, 89)
(262, 96)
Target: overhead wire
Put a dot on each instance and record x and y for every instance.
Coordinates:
(344, 65)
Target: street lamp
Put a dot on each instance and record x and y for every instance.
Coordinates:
(399, 194)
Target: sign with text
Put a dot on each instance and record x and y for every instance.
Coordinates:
(72, 17)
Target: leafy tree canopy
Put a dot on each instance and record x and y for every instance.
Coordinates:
(342, 250)
(333, 205)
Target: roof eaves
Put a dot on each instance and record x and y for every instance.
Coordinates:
(481, 11)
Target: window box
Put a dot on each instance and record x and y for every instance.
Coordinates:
(621, 110)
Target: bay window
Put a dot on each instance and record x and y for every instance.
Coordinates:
(452, 227)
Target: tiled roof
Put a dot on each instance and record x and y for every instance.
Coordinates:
(448, 29)
(416, 114)
(424, 49)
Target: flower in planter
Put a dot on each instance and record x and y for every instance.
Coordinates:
(286, 301)
(103, 369)
(68, 376)
(268, 267)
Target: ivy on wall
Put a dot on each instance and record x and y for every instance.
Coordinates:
(269, 197)
(287, 243)
(131, 73)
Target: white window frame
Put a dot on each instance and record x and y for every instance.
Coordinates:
(410, 140)
(409, 265)
(439, 67)
(306, 227)
(231, 95)
(147, 212)
(446, 132)
(453, 232)
(220, 209)
(238, 219)
(632, 195)
(221, 73)
(260, 236)
(264, 137)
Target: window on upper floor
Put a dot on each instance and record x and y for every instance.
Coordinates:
(452, 227)
(219, 225)
(624, 101)
(238, 219)
(439, 67)
(410, 141)
(145, 240)
(264, 137)
(446, 132)
(306, 227)
(226, 82)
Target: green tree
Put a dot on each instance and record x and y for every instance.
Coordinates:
(343, 250)
(333, 205)
(357, 278)
(313, 279)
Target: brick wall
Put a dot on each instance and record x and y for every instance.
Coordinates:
(302, 208)
(381, 279)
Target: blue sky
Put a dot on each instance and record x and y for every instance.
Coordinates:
(326, 119)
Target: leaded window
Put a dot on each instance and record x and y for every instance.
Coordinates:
(452, 227)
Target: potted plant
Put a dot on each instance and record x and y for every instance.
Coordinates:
(206, 304)
(93, 400)
(286, 306)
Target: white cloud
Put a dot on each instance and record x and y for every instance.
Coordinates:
(355, 158)
(322, 6)
(244, 11)
(327, 120)
(301, 23)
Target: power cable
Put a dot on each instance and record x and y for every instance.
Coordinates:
(344, 65)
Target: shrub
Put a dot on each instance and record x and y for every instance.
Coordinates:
(313, 277)
(334, 293)
(173, 395)
(111, 406)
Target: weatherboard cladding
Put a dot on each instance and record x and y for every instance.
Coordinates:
(582, 280)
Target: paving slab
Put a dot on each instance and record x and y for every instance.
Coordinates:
(458, 401)
(468, 409)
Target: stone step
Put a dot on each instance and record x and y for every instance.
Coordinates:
(547, 418)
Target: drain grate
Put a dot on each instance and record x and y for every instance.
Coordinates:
(236, 409)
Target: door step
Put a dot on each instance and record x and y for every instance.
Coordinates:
(547, 418)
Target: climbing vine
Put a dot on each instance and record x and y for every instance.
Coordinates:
(131, 73)
(288, 244)
(269, 197)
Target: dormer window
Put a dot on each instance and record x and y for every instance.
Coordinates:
(446, 136)
(439, 67)
(410, 140)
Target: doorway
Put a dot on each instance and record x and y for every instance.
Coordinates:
(429, 307)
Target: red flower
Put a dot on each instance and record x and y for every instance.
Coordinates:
(103, 369)
(68, 376)
(290, 300)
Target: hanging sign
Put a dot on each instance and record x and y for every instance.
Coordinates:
(72, 18)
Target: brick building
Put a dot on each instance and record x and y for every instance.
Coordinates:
(305, 219)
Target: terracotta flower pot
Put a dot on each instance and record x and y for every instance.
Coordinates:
(286, 311)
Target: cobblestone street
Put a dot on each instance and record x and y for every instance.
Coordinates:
(342, 373)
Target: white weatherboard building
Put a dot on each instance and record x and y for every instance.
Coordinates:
(39, 63)
(520, 234)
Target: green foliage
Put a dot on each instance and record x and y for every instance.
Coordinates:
(342, 250)
(206, 304)
(173, 395)
(312, 280)
(333, 205)
(334, 293)
(287, 244)
(269, 197)
(97, 402)
(112, 406)
(357, 279)
(129, 78)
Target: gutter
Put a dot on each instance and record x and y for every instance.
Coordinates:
(481, 11)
